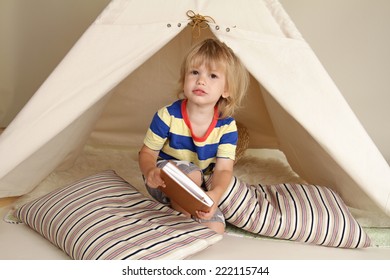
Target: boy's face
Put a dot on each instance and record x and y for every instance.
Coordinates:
(205, 85)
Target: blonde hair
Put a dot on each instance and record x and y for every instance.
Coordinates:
(212, 52)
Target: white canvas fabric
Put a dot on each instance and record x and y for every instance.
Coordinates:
(125, 67)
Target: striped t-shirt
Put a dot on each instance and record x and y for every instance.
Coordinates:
(170, 133)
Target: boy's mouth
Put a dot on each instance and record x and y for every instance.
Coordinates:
(199, 92)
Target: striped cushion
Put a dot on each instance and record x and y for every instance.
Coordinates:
(104, 217)
(305, 213)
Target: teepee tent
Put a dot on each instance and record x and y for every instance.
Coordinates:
(125, 67)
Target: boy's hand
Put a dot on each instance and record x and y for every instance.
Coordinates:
(205, 215)
(153, 178)
(210, 214)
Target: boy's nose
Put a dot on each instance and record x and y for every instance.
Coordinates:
(200, 81)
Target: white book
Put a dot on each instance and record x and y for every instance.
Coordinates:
(185, 192)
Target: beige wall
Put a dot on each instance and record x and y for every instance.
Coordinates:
(352, 40)
(35, 36)
(350, 37)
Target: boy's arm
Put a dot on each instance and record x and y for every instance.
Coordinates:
(147, 163)
(222, 176)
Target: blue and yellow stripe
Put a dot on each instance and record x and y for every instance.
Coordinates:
(170, 134)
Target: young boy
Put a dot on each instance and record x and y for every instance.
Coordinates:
(198, 131)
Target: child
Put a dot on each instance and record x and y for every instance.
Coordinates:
(197, 131)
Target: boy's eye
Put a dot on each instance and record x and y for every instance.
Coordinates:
(194, 72)
(213, 76)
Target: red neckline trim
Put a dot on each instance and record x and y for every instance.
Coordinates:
(188, 123)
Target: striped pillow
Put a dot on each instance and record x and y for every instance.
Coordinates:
(305, 213)
(104, 217)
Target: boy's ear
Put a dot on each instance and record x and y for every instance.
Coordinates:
(225, 94)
